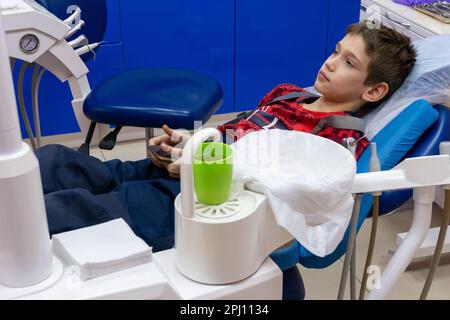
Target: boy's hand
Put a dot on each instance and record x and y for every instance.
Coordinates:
(171, 142)
(173, 168)
(158, 141)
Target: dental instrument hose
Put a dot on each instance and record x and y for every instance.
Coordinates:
(35, 83)
(439, 246)
(22, 105)
(350, 246)
(374, 167)
(353, 273)
(350, 257)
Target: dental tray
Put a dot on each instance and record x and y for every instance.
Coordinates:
(438, 10)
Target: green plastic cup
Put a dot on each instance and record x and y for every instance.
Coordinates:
(213, 172)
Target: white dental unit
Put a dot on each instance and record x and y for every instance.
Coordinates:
(206, 263)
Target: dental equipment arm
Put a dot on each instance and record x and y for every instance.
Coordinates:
(53, 53)
(25, 253)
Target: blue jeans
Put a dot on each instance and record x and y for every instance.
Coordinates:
(82, 191)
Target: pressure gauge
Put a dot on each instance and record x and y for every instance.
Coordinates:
(29, 43)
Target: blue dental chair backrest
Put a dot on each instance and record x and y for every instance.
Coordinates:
(417, 131)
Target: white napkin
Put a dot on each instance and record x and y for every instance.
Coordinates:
(307, 180)
(102, 249)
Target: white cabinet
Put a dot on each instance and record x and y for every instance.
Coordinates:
(402, 18)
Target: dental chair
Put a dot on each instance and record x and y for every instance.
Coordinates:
(416, 131)
(147, 98)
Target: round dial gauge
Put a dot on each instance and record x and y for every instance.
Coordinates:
(29, 43)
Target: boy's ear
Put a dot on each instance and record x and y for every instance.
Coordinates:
(376, 92)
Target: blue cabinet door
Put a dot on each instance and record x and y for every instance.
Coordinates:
(277, 41)
(192, 34)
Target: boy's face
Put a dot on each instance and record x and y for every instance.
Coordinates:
(342, 76)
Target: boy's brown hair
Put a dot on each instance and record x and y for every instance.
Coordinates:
(391, 54)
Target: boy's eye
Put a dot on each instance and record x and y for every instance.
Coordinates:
(349, 62)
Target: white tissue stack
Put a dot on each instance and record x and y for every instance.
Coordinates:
(102, 249)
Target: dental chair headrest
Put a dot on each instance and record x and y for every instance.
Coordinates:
(429, 80)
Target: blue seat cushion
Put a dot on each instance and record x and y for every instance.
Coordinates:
(152, 97)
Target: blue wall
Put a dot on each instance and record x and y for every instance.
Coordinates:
(249, 46)
(282, 41)
(194, 34)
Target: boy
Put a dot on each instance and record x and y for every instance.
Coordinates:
(367, 67)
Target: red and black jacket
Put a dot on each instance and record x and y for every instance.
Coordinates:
(290, 114)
